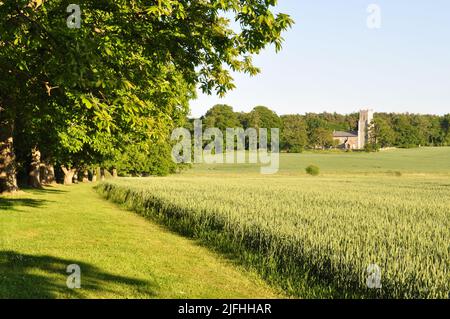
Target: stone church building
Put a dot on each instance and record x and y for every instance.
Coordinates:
(355, 140)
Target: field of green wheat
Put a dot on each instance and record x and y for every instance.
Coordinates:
(316, 236)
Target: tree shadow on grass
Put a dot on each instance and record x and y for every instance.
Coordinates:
(15, 202)
(41, 277)
(44, 190)
(12, 203)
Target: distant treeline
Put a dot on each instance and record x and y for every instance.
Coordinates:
(315, 130)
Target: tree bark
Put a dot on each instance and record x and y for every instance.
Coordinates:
(35, 169)
(48, 174)
(102, 174)
(94, 174)
(69, 174)
(8, 179)
(85, 176)
(114, 173)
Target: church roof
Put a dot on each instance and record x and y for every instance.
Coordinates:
(344, 134)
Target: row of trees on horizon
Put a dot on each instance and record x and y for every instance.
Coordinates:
(315, 130)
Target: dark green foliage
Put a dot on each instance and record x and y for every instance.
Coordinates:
(294, 135)
(222, 117)
(312, 170)
(319, 131)
(383, 135)
(371, 147)
(139, 160)
(263, 117)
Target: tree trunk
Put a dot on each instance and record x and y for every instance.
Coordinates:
(35, 169)
(69, 174)
(94, 175)
(48, 174)
(102, 174)
(114, 173)
(8, 179)
(85, 176)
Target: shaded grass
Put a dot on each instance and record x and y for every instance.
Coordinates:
(15, 203)
(34, 276)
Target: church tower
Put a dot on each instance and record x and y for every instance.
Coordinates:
(365, 120)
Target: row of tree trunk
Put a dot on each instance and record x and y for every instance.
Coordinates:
(8, 180)
(41, 173)
(71, 174)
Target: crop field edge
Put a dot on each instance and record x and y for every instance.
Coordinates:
(299, 282)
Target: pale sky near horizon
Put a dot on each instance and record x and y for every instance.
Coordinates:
(331, 61)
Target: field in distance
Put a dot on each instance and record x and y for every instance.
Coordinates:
(317, 236)
(430, 160)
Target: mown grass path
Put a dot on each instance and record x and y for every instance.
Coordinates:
(121, 254)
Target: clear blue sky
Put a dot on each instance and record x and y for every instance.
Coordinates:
(331, 61)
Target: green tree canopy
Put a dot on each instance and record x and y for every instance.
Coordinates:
(382, 133)
(128, 72)
(263, 117)
(221, 116)
(294, 136)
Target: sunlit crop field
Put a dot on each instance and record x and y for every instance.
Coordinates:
(313, 236)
